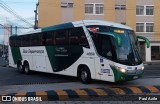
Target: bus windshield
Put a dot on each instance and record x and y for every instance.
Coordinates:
(127, 53)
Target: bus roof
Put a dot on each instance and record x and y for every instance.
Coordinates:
(105, 23)
(78, 24)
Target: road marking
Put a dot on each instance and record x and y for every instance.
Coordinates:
(99, 92)
(42, 94)
(118, 91)
(54, 95)
(144, 89)
(152, 89)
(81, 93)
(62, 95)
(71, 93)
(20, 94)
(135, 90)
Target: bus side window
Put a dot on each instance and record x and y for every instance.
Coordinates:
(61, 37)
(18, 41)
(73, 37)
(12, 41)
(49, 36)
(107, 50)
(24, 41)
(82, 38)
(34, 40)
(78, 37)
(27, 40)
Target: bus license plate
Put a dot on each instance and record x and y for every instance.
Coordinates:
(135, 77)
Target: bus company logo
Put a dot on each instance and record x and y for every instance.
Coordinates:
(90, 53)
(6, 99)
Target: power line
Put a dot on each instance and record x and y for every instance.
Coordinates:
(11, 11)
(16, 27)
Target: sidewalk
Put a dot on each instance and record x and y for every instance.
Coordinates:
(152, 63)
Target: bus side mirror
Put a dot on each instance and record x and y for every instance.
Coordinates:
(145, 39)
(116, 36)
(118, 40)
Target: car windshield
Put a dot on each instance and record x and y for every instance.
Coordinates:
(127, 53)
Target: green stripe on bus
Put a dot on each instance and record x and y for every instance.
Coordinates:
(62, 57)
(16, 54)
(58, 27)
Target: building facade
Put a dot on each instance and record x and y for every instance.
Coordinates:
(142, 15)
(7, 33)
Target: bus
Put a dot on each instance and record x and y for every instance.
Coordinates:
(87, 49)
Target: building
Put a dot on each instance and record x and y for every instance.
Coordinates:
(7, 33)
(142, 15)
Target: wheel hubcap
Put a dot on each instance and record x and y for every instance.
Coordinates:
(20, 68)
(84, 75)
(26, 69)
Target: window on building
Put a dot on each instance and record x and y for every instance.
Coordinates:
(99, 8)
(149, 27)
(139, 27)
(70, 5)
(139, 10)
(66, 5)
(94, 8)
(149, 10)
(120, 7)
(89, 8)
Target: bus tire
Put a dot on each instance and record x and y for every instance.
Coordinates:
(20, 67)
(26, 68)
(85, 75)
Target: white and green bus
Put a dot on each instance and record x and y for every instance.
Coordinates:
(88, 49)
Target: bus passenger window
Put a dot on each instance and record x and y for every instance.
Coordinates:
(107, 47)
(73, 37)
(49, 38)
(82, 38)
(61, 37)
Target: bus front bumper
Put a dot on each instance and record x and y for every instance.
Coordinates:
(123, 77)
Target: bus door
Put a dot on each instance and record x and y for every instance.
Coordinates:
(103, 62)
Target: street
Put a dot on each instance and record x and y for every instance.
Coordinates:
(11, 81)
(15, 78)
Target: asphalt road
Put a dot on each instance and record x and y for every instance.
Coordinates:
(152, 71)
(10, 76)
(34, 81)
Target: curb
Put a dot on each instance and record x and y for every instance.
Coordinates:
(55, 95)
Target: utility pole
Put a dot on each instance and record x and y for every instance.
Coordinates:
(16, 30)
(36, 16)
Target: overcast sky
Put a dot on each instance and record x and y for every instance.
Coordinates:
(24, 8)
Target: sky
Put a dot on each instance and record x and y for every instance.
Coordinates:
(24, 8)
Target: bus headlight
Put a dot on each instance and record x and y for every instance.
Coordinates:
(142, 68)
(122, 70)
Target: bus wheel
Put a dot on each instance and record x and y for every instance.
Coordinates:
(20, 67)
(85, 75)
(26, 68)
